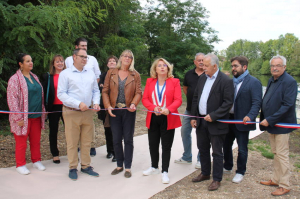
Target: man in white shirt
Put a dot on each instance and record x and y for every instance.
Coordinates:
(77, 89)
(91, 64)
(212, 100)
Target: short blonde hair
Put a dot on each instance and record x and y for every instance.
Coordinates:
(153, 68)
(119, 64)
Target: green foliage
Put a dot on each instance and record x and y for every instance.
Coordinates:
(261, 146)
(259, 53)
(265, 69)
(174, 31)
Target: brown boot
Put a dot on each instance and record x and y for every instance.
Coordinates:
(269, 183)
(214, 185)
(280, 191)
(200, 178)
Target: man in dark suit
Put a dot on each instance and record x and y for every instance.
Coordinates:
(278, 106)
(247, 102)
(212, 100)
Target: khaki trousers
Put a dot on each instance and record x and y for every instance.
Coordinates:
(280, 148)
(79, 128)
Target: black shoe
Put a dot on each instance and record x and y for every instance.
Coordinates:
(109, 155)
(56, 161)
(114, 159)
(93, 152)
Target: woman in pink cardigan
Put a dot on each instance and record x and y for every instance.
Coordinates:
(25, 94)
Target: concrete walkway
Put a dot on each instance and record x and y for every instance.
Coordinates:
(54, 182)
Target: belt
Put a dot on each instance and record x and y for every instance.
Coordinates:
(73, 109)
(121, 105)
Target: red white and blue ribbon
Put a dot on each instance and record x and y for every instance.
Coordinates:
(281, 125)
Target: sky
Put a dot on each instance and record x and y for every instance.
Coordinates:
(253, 20)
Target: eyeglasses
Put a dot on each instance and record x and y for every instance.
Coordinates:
(277, 66)
(83, 57)
(162, 65)
(126, 56)
(234, 66)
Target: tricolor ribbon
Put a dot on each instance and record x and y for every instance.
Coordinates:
(281, 125)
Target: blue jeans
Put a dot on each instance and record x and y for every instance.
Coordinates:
(242, 138)
(186, 131)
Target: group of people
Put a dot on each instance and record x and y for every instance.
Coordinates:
(71, 90)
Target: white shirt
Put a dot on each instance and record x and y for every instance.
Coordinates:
(161, 103)
(205, 93)
(237, 90)
(91, 64)
(76, 86)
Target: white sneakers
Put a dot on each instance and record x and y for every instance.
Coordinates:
(38, 165)
(225, 171)
(237, 178)
(23, 170)
(181, 161)
(198, 165)
(164, 178)
(150, 171)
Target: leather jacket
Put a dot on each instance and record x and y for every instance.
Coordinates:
(133, 90)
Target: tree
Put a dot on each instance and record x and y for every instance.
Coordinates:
(175, 30)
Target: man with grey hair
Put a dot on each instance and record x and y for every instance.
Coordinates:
(278, 106)
(212, 101)
(189, 86)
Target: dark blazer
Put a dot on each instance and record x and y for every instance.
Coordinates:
(281, 106)
(219, 102)
(248, 102)
(51, 91)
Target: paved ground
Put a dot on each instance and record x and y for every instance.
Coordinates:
(54, 182)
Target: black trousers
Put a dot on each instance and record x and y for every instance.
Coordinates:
(53, 125)
(109, 139)
(122, 127)
(158, 131)
(204, 141)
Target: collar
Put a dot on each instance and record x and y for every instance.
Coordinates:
(74, 69)
(273, 80)
(214, 75)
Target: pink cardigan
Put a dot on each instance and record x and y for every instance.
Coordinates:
(17, 100)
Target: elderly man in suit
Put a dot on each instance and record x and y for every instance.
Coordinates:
(278, 106)
(247, 102)
(212, 100)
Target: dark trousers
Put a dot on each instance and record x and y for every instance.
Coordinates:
(158, 131)
(122, 127)
(242, 138)
(53, 126)
(109, 139)
(204, 141)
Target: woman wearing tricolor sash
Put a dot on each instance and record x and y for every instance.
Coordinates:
(162, 95)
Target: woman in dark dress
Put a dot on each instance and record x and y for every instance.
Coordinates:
(52, 103)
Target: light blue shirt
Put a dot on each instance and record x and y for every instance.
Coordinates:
(205, 93)
(76, 86)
